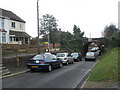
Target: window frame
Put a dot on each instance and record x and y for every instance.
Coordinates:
(13, 24)
(4, 37)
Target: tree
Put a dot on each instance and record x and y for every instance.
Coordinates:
(110, 30)
(111, 36)
(48, 23)
(77, 42)
(49, 26)
(65, 40)
(77, 32)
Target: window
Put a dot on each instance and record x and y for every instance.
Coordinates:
(10, 38)
(3, 37)
(14, 39)
(2, 23)
(13, 24)
(21, 26)
(17, 39)
(26, 40)
(60, 55)
(74, 54)
(54, 57)
(69, 55)
(39, 57)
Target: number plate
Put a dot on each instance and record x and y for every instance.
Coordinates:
(34, 66)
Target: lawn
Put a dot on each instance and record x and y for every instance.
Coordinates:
(107, 68)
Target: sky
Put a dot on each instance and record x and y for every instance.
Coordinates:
(90, 15)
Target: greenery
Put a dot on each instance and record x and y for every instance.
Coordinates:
(72, 42)
(49, 26)
(111, 36)
(22, 50)
(107, 68)
(68, 41)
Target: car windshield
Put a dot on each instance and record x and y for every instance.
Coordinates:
(74, 54)
(90, 53)
(38, 57)
(60, 55)
(43, 56)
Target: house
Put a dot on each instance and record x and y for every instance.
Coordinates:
(12, 28)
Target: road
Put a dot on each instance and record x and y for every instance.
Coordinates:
(66, 77)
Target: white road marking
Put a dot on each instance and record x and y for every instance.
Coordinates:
(88, 76)
(75, 85)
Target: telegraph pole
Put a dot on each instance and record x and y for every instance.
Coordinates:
(38, 26)
(38, 18)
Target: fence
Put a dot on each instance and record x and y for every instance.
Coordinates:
(9, 49)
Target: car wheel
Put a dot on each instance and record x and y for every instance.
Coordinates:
(67, 63)
(95, 59)
(49, 68)
(73, 62)
(61, 65)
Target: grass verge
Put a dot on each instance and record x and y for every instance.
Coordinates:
(107, 68)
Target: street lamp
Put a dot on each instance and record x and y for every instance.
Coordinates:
(47, 23)
(48, 40)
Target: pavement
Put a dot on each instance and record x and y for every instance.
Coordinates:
(14, 71)
(90, 84)
(11, 70)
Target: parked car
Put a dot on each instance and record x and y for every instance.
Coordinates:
(90, 56)
(65, 57)
(96, 50)
(76, 56)
(44, 61)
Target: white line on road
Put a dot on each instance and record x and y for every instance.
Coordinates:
(75, 85)
(89, 75)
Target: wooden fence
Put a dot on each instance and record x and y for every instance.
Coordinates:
(9, 49)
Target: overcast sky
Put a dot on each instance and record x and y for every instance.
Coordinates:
(90, 15)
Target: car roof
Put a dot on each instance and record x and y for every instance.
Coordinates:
(90, 52)
(74, 52)
(62, 53)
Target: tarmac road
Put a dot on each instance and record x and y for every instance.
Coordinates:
(66, 77)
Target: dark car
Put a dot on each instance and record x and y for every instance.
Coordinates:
(76, 56)
(44, 61)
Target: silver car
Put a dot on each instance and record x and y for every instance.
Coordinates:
(90, 56)
(65, 57)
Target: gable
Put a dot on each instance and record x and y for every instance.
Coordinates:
(11, 15)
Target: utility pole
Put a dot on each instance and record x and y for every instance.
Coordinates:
(38, 26)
